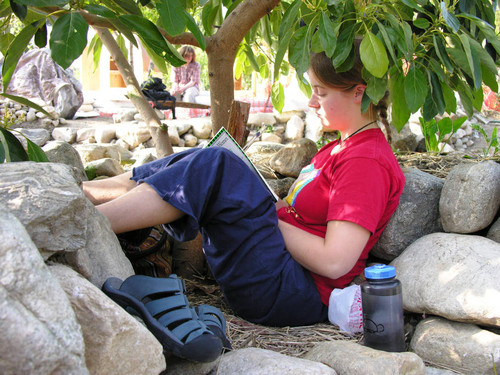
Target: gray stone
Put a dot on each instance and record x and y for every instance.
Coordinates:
(64, 134)
(102, 256)
(494, 231)
(452, 275)
(115, 342)
(260, 119)
(134, 135)
(173, 135)
(38, 136)
(350, 358)
(104, 134)
(281, 186)
(38, 329)
(45, 197)
(465, 348)
(202, 128)
(254, 361)
(294, 129)
(85, 135)
(471, 197)
(183, 128)
(285, 116)
(63, 152)
(270, 137)
(190, 140)
(106, 167)
(416, 216)
(405, 140)
(260, 148)
(96, 151)
(290, 160)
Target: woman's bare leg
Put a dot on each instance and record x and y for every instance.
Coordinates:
(140, 207)
(102, 191)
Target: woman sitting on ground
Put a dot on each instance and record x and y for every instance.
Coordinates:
(186, 80)
(275, 263)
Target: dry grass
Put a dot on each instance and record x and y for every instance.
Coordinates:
(292, 341)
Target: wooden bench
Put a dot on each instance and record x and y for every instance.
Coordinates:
(170, 104)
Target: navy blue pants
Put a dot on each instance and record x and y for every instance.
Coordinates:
(243, 245)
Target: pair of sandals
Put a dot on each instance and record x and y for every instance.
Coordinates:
(197, 334)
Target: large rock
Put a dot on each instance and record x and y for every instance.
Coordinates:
(471, 197)
(290, 160)
(416, 216)
(63, 152)
(46, 198)
(294, 129)
(39, 333)
(115, 342)
(494, 231)
(254, 361)
(465, 348)
(349, 358)
(451, 275)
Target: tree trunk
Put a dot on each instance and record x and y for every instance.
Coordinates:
(158, 132)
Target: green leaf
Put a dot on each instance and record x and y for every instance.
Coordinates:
(129, 6)
(125, 30)
(327, 34)
(13, 148)
(449, 99)
(457, 123)
(478, 99)
(15, 51)
(489, 79)
(487, 30)
(282, 48)
(304, 86)
(157, 60)
(473, 60)
(43, 3)
(18, 9)
(152, 37)
(373, 55)
(441, 52)
(208, 16)
(415, 88)
(445, 126)
(195, 30)
(484, 56)
(120, 40)
(437, 93)
(68, 38)
(299, 49)
(251, 58)
(421, 23)
(277, 96)
(412, 4)
(400, 113)
(289, 18)
(344, 45)
(449, 18)
(376, 88)
(172, 16)
(387, 40)
(96, 48)
(99, 10)
(35, 153)
(408, 34)
(41, 36)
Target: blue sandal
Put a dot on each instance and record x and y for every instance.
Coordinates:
(165, 310)
(215, 321)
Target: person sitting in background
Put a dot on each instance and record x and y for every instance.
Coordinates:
(186, 81)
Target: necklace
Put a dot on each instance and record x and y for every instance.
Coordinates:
(341, 142)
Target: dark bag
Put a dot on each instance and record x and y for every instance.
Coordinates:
(154, 90)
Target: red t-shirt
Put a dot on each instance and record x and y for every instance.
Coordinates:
(360, 183)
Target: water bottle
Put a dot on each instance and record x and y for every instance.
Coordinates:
(382, 302)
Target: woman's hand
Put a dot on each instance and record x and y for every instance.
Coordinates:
(332, 256)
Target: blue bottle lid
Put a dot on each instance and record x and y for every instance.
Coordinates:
(380, 271)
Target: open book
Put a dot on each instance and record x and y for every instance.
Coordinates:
(224, 139)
